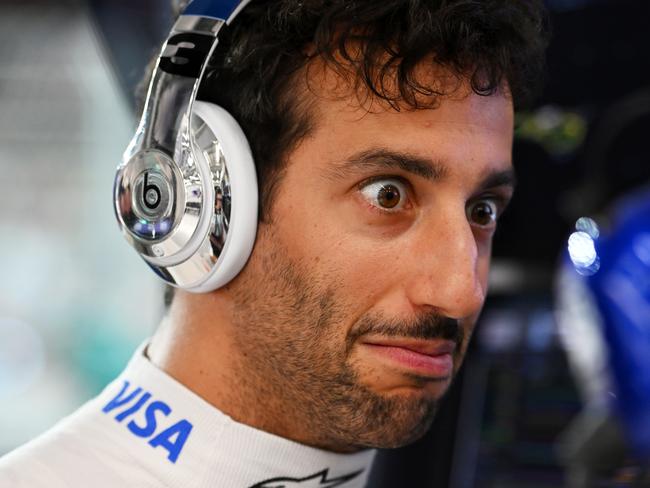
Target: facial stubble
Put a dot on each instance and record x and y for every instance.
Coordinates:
(296, 358)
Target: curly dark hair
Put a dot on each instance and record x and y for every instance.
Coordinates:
(377, 46)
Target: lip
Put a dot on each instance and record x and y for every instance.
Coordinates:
(429, 358)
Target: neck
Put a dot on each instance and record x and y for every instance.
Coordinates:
(194, 345)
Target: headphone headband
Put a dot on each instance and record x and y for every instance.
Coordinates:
(225, 10)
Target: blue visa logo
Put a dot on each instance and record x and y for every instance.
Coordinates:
(129, 402)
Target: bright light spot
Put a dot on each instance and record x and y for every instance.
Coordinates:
(587, 225)
(581, 249)
(583, 253)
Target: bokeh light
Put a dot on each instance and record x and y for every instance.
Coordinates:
(582, 247)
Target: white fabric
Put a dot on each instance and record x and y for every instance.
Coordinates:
(147, 430)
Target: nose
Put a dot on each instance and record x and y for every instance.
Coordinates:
(449, 268)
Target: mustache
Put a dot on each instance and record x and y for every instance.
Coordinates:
(426, 327)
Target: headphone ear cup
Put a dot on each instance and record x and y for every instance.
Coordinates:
(238, 201)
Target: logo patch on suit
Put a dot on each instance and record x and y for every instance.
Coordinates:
(318, 480)
(146, 413)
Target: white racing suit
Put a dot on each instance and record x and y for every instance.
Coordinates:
(147, 430)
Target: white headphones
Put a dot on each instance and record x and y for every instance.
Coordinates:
(186, 192)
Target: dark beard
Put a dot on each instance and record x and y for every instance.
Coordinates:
(297, 364)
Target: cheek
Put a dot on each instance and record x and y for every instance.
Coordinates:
(359, 274)
(320, 233)
(355, 278)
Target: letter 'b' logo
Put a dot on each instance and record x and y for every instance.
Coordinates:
(150, 193)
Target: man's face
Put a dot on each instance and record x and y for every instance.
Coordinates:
(356, 307)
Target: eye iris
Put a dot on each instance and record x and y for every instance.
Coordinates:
(483, 214)
(388, 196)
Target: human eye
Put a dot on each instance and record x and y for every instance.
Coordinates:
(385, 194)
(483, 213)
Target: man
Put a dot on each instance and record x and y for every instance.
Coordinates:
(382, 134)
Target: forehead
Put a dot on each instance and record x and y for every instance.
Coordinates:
(457, 127)
(462, 112)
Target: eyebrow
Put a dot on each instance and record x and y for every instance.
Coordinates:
(426, 168)
(381, 158)
(496, 179)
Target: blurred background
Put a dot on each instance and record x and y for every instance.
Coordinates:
(538, 403)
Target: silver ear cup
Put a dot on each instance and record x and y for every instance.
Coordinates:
(192, 216)
(178, 216)
(159, 204)
(166, 212)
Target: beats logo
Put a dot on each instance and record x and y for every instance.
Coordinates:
(150, 193)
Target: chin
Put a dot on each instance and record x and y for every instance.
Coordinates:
(398, 419)
(434, 390)
(403, 434)
(408, 387)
